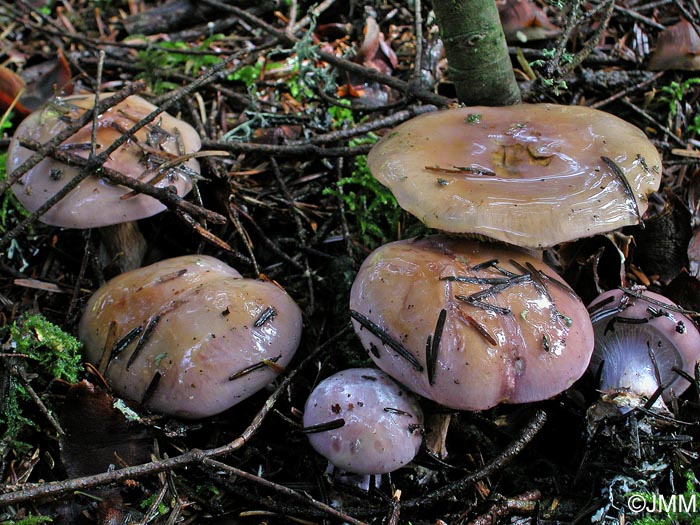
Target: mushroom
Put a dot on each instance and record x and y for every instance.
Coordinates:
(641, 339)
(470, 324)
(95, 202)
(677, 47)
(533, 175)
(189, 336)
(363, 422)
(524, 21)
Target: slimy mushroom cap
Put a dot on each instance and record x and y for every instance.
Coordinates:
(380, 423)
(533, 175)
(189, 336)
(470, 324)
(95, 202)
(639, 339)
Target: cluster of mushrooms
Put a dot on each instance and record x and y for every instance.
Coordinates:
(468, 323)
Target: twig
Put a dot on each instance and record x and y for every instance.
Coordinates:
(628, 90)
(362, 129)
(368, 73)
(166, 196)
(395, 514)
(16, 494)
(523, 504)
(418, 29)
(283, 490)
(313, 13)
(286, 151)
(651, 119)
(292, 17)
(528, 433)
(636, 16)
(18, 371)
(95, 114)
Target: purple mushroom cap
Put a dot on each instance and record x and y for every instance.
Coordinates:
(383, 423)
(189, 336)
(639, 341)
(95, 202)
(470, 324)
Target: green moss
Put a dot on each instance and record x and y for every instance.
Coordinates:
(47, 353)
(57, 352)
(372, 207)
(29, 520)
(157, 61)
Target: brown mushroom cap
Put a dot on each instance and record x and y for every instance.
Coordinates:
(95, 202)
(190, 337)
(677, 47)
(528, 338)
(533, 175)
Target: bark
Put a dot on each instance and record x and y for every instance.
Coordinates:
(477, 53)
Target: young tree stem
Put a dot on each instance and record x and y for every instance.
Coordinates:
(477, 53)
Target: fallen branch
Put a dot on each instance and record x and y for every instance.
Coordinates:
(12, 494)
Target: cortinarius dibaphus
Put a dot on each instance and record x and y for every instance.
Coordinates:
(469, 324)
(533, 175)
(640, 337)
(95, 202)
(189, 336)
(373, 425)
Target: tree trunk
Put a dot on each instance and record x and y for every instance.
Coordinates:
(477, 53)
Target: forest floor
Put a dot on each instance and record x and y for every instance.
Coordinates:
(289, 101)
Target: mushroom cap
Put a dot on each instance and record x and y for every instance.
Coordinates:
(201, 326)
(627, 328)
(527, 339)
(383, 422)
(95, 202)
(677, 47)
(533, 175)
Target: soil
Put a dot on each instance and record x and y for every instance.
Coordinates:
(288, 101)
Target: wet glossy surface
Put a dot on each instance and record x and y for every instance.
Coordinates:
(94, 202)
(533, 351)
(208, 324)
(627, 329)
(531, 175)
(383, 422)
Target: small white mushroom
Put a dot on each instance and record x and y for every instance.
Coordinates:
(364, 422)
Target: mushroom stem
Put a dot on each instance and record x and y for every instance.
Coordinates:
(124, 245)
